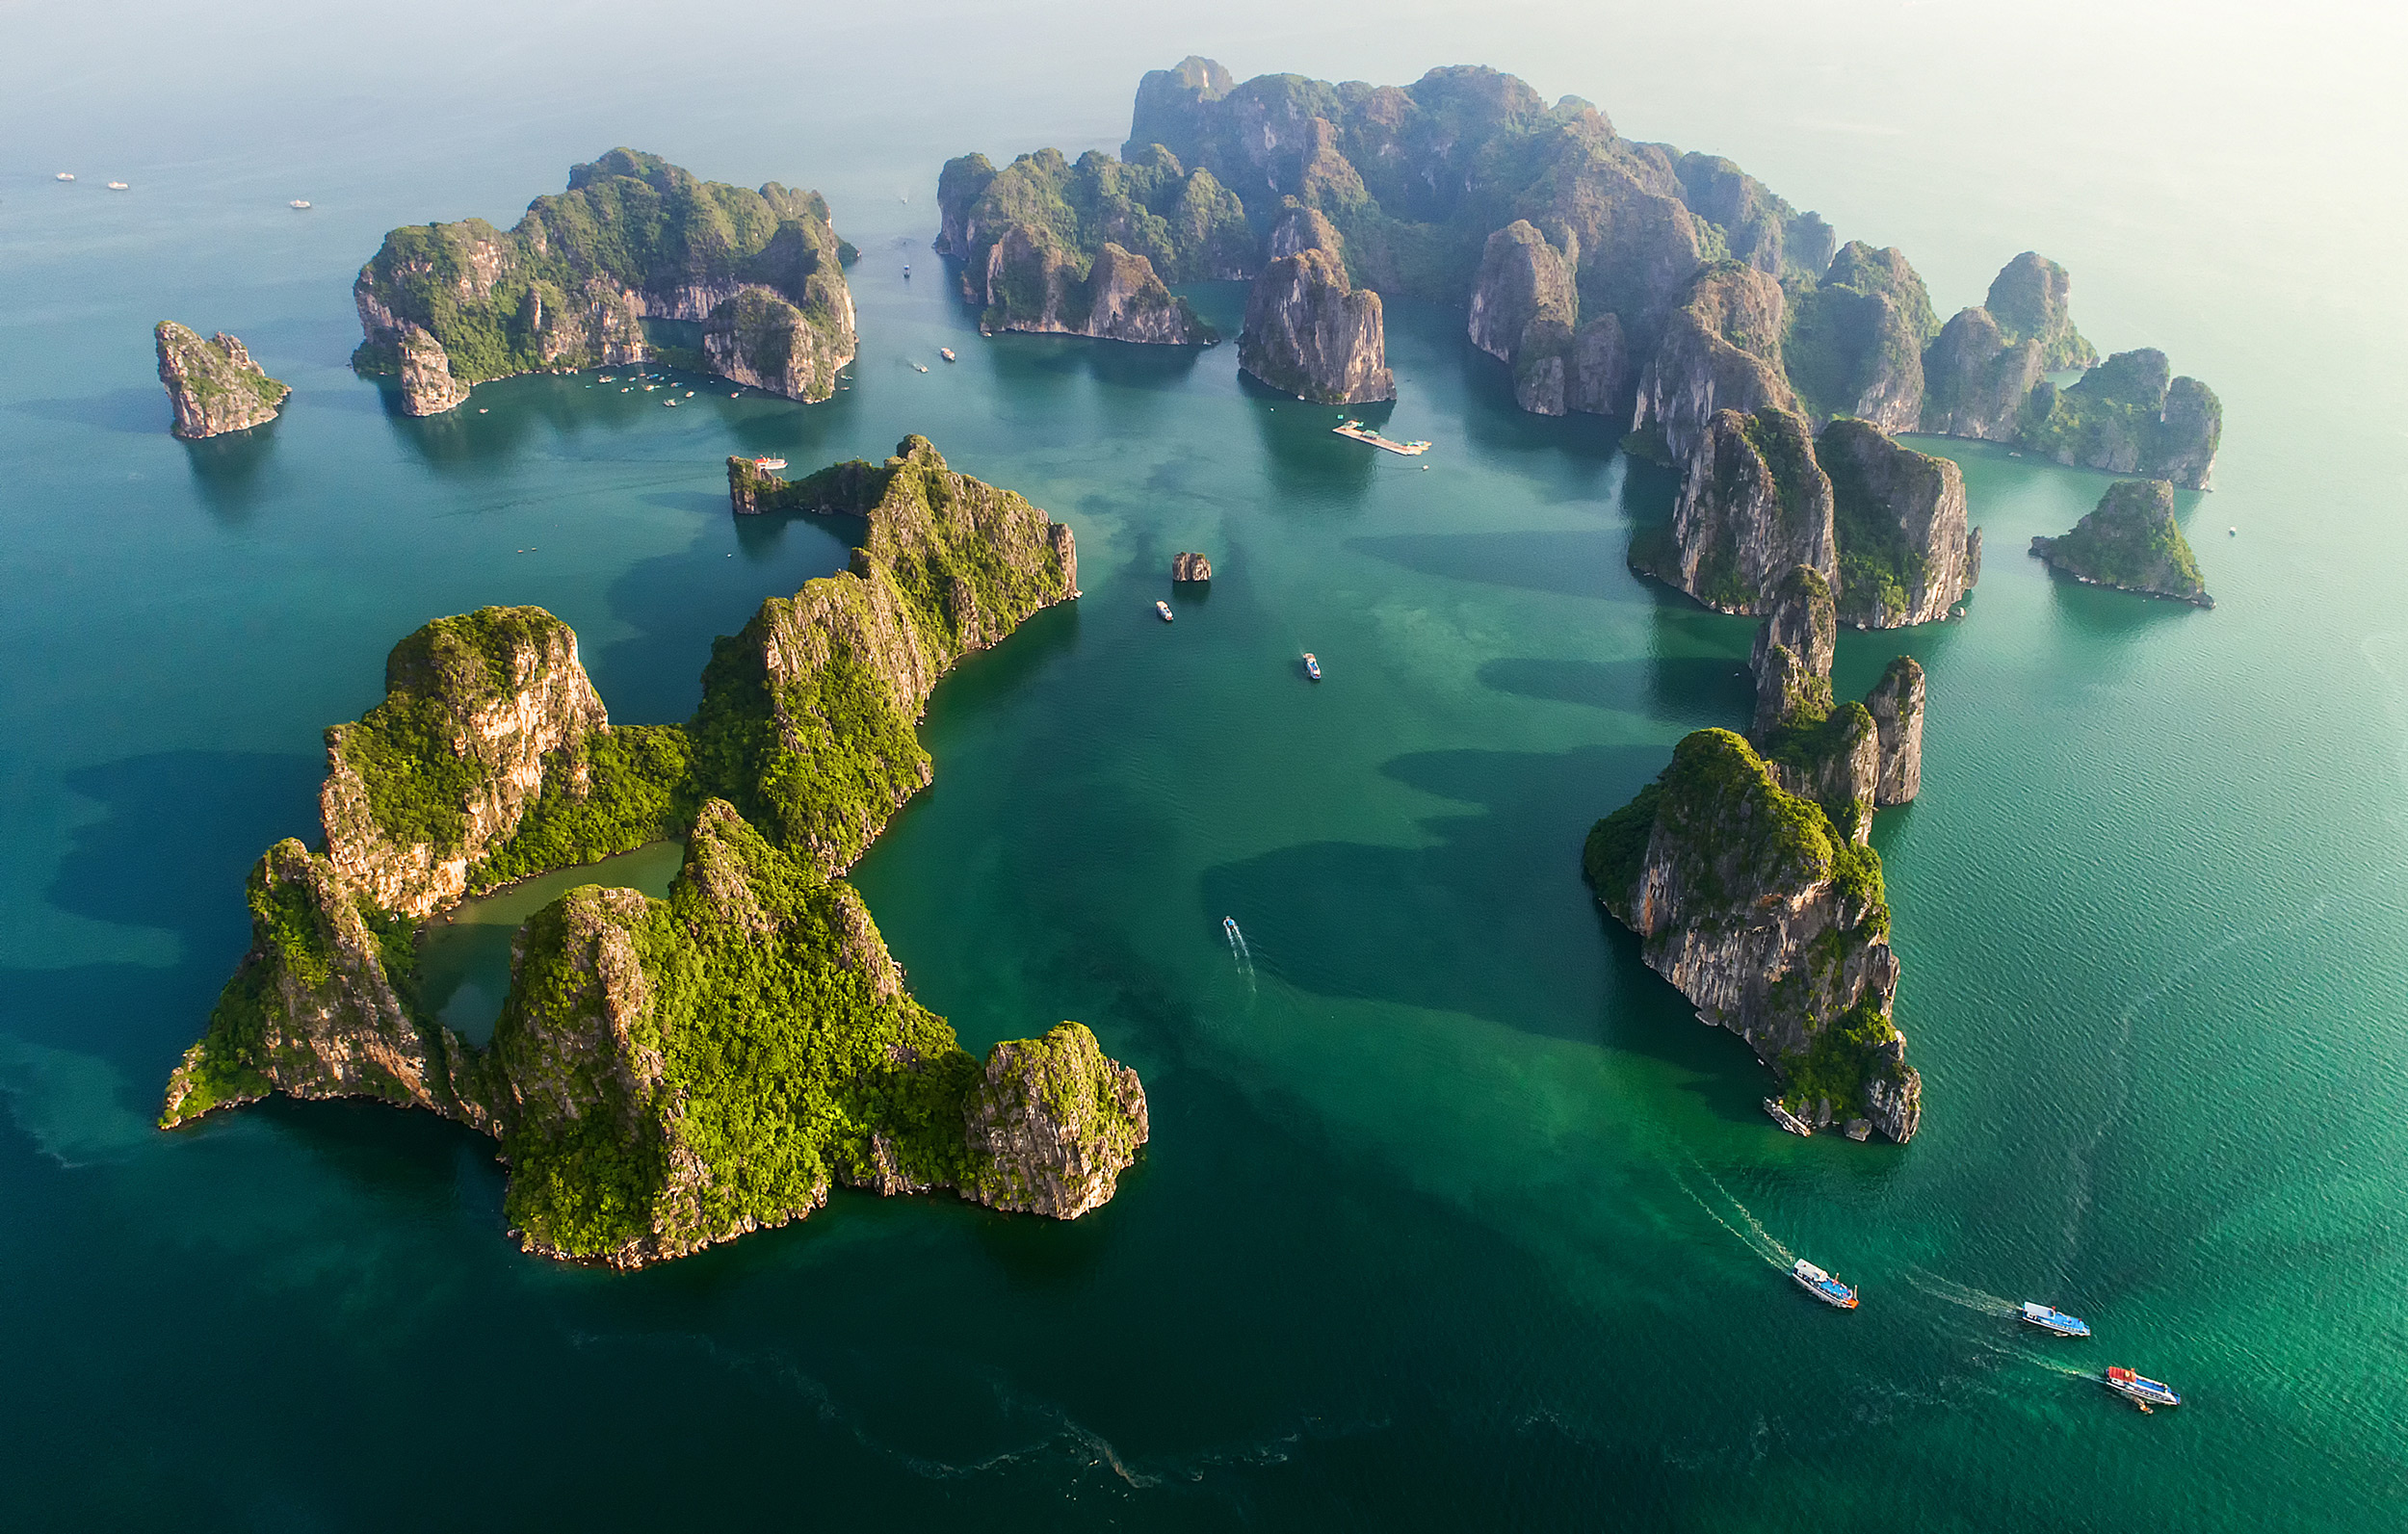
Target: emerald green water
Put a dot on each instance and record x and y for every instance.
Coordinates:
(1453, 1216)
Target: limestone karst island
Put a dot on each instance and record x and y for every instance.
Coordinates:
(1459, 768)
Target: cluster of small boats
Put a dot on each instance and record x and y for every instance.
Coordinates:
(2142, 1391)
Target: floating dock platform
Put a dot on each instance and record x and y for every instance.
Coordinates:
(1360, 434)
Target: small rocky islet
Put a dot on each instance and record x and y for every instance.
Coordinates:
(2130, 541)
(213, 385)
(669, 1074)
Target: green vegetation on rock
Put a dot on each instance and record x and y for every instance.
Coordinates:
(2130, 541)
(633, 236)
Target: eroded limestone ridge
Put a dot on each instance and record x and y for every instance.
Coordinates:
(1748, 871)
(1309, 333)
(213, 385)
(2130, 541)
(666, 1074)
(444, 306)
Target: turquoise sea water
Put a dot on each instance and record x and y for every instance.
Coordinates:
(1452, 1217)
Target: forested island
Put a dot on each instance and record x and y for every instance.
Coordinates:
(667, 1074)
(443, 306)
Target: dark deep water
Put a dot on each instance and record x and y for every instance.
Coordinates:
(1451, 1216)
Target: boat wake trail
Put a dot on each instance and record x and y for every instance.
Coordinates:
(1750, 1231)
(1239, 952)
(1955, 1293)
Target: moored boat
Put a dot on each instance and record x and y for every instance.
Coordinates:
(301, 205)
(947, 352)
(768, 465)
(116, 186)
(1162, 607)
(2140, 1391)
(1823, 1285)
(66, 175)
(2050, 1319)
(1312, 666)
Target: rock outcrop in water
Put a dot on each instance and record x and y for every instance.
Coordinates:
(213, 385)
(1309, 333)
(667, 1074)
(1883, 525)
(2132, 542)
(1771, 920)
(448, 306)
(1721, 351)
(1053, 1124)
(1753, 503)
(1907, 553)
(2127, 416)
(1856, 339)
(1190, 567)
(1746, 869)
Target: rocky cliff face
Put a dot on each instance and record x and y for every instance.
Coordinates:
(1033, 283)
(2032, 300)
(1721, 352)
(1896, 706)
(1526, 311)
(428, 387)
(1309, 333)
(1051, 1125)
(758, 338)
(1976, 380)
(1190, 567)
(2127, 416)
(312, 1012)
(2132, 542)
(437, 776)
(1753, 503)
(214, 384)
(1856, 340)
(1750, 902)
(1907, 552)
(1793, 651)
(450, 306)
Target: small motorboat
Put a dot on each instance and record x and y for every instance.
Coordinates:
(66, 175)
(921, 367)
(2141, 1392)
(301, 205)
(116, 186)
(2050, 1319)
(907, 271)
(1823, 1285)
(1312, 667)
(1162, 607)
(947, 352)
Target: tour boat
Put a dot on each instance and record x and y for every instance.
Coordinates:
(1312, 667)
(2141, 1393)
(922, 365)
(116, 186)
(767, 466)
(1162, 607)
(2048, 1320)
(1823, 1285)
(301, 205)
(947, 352)
(67, 176)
